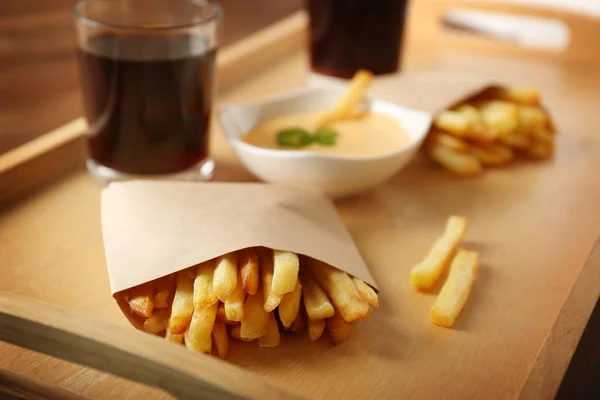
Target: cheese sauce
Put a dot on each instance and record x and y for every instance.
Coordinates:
(367, 135)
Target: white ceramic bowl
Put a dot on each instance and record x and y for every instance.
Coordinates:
(338, 176)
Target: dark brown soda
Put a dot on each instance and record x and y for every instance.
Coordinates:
(348, 35)
(147, 101)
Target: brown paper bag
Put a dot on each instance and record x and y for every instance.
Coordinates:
(155, 228)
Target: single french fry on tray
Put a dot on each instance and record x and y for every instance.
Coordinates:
(225, 276)
(315, 300)
(183, 302)
(157, 322)
(254, 323)
(456, 289)
(285, 272)
(290, 305)
(366, 292)
(338, 329)
(315, 328)
(220, 339)
(198, 336)
(248, 264)
(353, 95)
(204, 294)
(272, 300)
(272, 336)
(426, 273)
(341, 290)
(141, 299)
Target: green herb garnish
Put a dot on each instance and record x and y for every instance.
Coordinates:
(325, 136)
(294, 137)
(298, 137)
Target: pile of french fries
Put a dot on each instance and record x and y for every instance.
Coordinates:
(490, 130)
(251, 294)
(461, 277)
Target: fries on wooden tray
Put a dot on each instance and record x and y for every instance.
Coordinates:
(251, 294)
(490, 129)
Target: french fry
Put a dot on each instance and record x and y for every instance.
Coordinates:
(315, 300)
(225, 276)
(500, 117)
(459, 163)
(248, 263)
(254, 323)
(220, 339)
(298, 326)
(157, 322)
(516, 140)
(351, 98)
(266, 269)
(163, 290)
(341, 290)
(141, 299)
(236, 333)
(531, 119)
(492, 154)
(290, 306)
(222, 316)
(234, 305)
(183, 304)
(477, 128)
(174, 337)
(272, 336)
(198, 336)
(448, 141)
(338, 329)
(519, 94)
(315, 328)
(452, 121)
(426, 273)
(456, 289)
(368, 314)
(285, 272)
(204, 294)
(366, 292)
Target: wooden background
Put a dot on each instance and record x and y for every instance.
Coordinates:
(39, 82)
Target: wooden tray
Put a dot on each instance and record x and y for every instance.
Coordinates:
(535, 225)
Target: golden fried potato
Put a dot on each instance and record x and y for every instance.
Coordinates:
(183, 304)
(366, 292)
(449, 141)
(157, 322)
(315, 300)
(459, 163)
(254, 323)
(427, 272)
(338, 329)
(248, 263)
(272, 300)
(141, 299)
(516, 140)
(353, 95)
(220, 339)
(341, 290)
(290, 305)
(272, 336)
(234, 305)
(492, 154)
(225, 276)
(500, 118)
(204, 294)
(315, 328)
(198, 336)
(285, 272)
(456, 289)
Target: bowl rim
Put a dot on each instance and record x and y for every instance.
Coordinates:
(276, 153)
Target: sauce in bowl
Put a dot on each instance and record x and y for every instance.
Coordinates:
(370, 134)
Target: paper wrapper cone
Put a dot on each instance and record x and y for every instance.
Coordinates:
(155, 228)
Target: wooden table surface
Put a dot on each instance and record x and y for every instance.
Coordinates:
(39, 84)
(41, 95)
